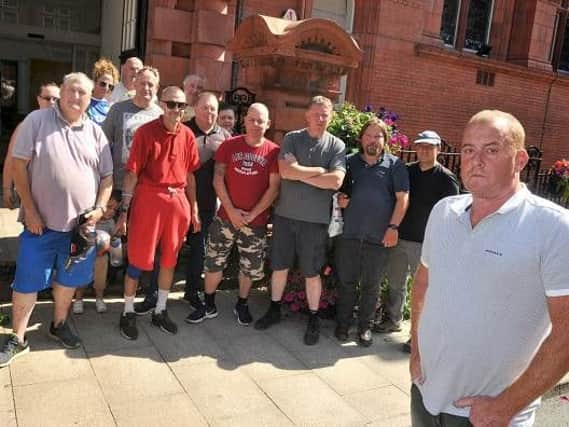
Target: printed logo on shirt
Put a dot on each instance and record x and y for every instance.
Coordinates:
(490, 251)
(244, 163)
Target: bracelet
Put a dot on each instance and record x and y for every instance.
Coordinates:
(393, 226)
(126, 194)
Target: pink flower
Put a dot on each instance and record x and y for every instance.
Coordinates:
(327, 270)
(301, 295)
(323, 304)
(294, 307)
(289, 297)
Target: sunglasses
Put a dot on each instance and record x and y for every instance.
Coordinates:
(49, 98)
(105, 85)
(171, 105)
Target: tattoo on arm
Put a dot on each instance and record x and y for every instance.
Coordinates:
(219, 169)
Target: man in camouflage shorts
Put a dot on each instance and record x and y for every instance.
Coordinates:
(246, 180)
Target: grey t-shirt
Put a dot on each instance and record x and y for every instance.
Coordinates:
(66, 165)
(123, 119)
(301, 201)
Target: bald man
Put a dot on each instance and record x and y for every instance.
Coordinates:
(125, 89)
(246, 180)
(160, 173)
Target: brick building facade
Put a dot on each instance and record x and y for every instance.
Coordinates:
(426, 59)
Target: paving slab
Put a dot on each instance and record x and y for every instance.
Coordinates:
(269, 416)
(309, 401)
(77, 402)
(7, 411)
(135, 372)
(221, 392)
(263, 358)
(171, 410)
(350, 375)
(50, 365)
(381, 404)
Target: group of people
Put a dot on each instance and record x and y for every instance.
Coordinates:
(162, 169)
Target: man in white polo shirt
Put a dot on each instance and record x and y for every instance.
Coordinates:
(491, 294)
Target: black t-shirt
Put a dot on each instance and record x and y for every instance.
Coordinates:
(426, 189)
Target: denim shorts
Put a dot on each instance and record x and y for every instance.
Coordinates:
(41, 260)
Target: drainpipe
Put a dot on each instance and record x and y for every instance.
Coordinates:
(546, 110)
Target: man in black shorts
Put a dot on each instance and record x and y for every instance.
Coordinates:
(312, 164)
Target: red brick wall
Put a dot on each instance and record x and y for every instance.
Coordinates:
(440, 92)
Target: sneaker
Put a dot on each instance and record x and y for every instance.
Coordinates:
(78, 307)
(145, 306)
(100, 305)
(12, 349)
(312, 333)
(364, 338)
(163, 321)
(272, 317)
(193, 299)
(128, 327)
(341, 333)
(386, 327)
(406, 346)
(64, 335)
(241, 311)
(202, 313)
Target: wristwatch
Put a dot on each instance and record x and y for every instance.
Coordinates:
(393, 226)
(123, 209)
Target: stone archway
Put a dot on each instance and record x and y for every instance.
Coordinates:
(287, 62)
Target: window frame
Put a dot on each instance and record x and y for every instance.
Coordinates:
(561, 21)
(462, 23)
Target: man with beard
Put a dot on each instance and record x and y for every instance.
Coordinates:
(375, 200)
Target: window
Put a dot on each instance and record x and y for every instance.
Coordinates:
(485, 78)
(129, 25)
(56, 18)
(560, 42)
(9, 11)
(449, 21)
(466, 24)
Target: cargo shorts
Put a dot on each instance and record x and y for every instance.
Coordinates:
(251, 242)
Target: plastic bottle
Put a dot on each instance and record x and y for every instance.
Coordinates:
(116, 252)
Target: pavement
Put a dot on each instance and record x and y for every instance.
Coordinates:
(215, 373)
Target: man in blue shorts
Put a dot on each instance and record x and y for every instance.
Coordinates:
(62, 168)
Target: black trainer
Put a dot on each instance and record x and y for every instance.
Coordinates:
(193, 299)
(202, 313)
(145, 306)
(364, 337)
(342, 333)
(12, 349)
(312, 333)
(128, 327)
(406, 346)
(243, 315)
(64, 335)
(271, 317)
(163, 321)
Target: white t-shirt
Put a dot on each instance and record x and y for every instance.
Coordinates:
(485, 310)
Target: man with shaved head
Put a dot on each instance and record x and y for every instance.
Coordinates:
(491, 294)
(125, 89)
(193, 85)
(246, 181)
(160, 173)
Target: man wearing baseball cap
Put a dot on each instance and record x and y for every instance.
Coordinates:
(429, 182)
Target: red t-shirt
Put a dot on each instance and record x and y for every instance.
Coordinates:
(163, 158)
(247, 173)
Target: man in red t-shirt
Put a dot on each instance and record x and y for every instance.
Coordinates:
(159, 172)
(246, 181)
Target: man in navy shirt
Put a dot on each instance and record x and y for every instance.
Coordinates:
(374, 198)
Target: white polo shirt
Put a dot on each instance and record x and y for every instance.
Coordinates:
(485, 311)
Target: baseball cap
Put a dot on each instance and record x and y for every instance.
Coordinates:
(428, 137)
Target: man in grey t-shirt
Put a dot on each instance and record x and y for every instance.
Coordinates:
(62, 168)
(126, 117)
(312, 164)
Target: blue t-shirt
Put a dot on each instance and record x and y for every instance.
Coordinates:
(372, 191)
(98, 110)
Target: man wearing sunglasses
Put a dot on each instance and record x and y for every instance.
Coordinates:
(160, 173)
(47, 97)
